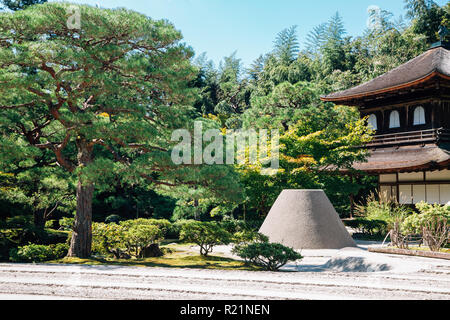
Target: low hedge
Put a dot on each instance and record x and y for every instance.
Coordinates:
(15, 237)
(175, 230)
(38, 253)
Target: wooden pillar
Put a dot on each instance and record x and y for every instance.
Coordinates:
(433, 108)
(407, 124)
(398, 187)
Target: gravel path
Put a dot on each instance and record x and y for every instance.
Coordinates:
(22, 281)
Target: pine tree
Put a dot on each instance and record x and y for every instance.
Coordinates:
(103, 100)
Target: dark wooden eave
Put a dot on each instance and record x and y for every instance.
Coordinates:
(405, 159)
(432, 66)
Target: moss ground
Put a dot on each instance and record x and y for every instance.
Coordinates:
(180, 256)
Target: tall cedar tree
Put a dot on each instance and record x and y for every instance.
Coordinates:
(103, 99)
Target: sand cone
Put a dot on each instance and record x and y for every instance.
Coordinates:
(306, 219)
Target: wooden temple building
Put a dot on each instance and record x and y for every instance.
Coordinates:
(409, 108)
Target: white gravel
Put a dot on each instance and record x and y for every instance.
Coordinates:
(322, 274)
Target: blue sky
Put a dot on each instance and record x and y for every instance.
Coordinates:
(220, 27)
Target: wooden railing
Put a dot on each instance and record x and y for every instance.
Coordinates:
(411, 137)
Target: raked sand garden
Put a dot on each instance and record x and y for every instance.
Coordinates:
(349, 273)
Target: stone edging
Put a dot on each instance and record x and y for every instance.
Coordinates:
(419, 253)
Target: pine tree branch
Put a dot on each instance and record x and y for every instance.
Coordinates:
(25, 105)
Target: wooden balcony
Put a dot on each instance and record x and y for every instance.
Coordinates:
(410, 138)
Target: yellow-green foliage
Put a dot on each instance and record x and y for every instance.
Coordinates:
(107, 238)
(249, 236)
(427, 213)
(380, 210)
(162, 224)
(38, 253)
(139, 237)
(131, 236)
(431, 222)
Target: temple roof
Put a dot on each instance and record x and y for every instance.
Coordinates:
(405, 159)
(433, 63)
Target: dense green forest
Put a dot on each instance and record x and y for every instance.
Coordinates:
(115, 154)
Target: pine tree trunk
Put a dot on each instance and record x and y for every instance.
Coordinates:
(81, 241)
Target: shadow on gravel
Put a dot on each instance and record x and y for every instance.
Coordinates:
(355, 264)
(341, 264)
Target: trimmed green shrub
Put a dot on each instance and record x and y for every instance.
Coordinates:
(205, 234)
(249, 236)
(270, 256)
(174, 232)
(108, 239)
(162, 224)
(15, 237)
(140, 237)
(60, 250)
(128, 238)
(39, 253)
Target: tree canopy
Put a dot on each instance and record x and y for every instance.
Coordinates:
(99, 101)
